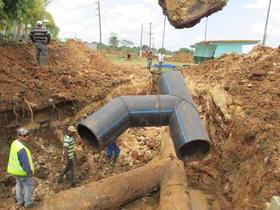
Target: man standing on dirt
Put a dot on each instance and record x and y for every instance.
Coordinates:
(21, 166)
(160, 60)
(41, 37)
(149, 59)
(68, 156)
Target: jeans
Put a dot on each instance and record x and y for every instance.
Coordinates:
(149, 63)
(71, 168)
(41, 53)
(159, 65)
(24, 190)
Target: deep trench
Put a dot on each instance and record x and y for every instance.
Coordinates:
(218, 128)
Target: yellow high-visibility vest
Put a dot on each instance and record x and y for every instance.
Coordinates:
(14, 167)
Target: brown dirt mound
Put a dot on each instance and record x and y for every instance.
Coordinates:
(240, 98)
(76, 81)
(181, 57)
(74, 73)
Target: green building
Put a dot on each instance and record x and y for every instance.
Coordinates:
(213, 49)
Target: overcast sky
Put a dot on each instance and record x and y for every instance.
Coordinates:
(240, 19)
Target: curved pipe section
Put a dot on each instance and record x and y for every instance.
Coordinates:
(105, 125)
(175, 109)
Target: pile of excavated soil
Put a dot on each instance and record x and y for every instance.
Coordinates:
(181, 57)
(74, 73)
(239, 97)
(75, 83)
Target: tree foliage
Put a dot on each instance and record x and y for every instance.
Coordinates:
(114, 40)
(17, 15)
(185, 50)
(126, 43)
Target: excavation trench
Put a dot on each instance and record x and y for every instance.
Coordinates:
(189, 139)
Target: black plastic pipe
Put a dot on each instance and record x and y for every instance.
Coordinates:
(175, 109)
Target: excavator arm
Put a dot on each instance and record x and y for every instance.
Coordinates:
(187, 13)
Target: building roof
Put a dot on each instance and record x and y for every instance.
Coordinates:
(226, 41)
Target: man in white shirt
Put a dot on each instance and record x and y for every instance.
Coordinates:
(160, 60)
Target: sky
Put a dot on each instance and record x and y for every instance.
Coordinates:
(240, 19)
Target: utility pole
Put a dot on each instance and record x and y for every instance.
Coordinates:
(266, 23)
(141, 39)
(150, 36)
(100, 34)
(163, 35)
(206, 25)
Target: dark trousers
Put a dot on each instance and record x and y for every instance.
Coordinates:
(41, 53)
(71, 168)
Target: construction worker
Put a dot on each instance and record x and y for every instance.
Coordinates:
(68, 156)
(41, 37)
(149, 59)
(112, 152)
(160, 60)
(21, 166)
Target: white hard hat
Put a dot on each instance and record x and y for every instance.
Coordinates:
(22, 131)
(39, 23)
(72, 129)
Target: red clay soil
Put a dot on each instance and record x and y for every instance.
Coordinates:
(76, 81)
(240, 100)
(237, 96)
(74, 73)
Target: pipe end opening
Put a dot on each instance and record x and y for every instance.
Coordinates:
(194, 150)
(87, 135)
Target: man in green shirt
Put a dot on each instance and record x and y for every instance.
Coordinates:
(68, 156)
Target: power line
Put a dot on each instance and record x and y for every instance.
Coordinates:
(150, 36)
(206, 25)
(266, 23)
(163, 35)
(141, 40)
(100, 33)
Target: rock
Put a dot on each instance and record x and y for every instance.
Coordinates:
(182, 14)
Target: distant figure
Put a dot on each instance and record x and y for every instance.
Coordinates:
(128, 56)
(160, 60)
(21, 166)
(149, 59)
(41, 37)
(68, 156)
(112, 152)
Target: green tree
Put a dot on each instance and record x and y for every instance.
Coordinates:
(162, 50)
(185, 50)
(16, 15)
(114, 40)
(145, 47)
(126, 43)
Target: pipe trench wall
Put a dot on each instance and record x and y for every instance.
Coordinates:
(174, 107)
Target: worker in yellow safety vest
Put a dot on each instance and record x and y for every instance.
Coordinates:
(21, 166)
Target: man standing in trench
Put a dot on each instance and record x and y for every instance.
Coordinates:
(68, 156)
(41, 37)
(21, 166)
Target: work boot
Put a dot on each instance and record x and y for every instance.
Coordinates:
(29, 205)
(75, 184)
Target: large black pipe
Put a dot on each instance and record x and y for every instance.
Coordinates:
(175, 109)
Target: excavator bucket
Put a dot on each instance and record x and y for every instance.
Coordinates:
(187, 13)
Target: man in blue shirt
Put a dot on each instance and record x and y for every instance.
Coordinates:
(21, 166)
(112, 152)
